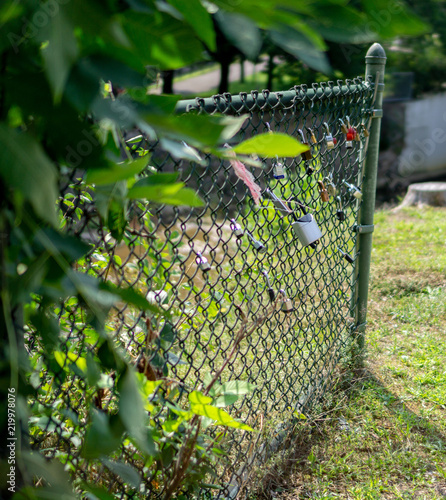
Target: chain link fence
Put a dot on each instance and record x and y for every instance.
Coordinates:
(281, 269)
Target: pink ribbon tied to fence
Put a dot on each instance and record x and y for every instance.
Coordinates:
(245, 175)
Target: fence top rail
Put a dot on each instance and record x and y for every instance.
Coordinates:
(265, 99)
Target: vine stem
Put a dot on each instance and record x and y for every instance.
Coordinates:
(187, 449)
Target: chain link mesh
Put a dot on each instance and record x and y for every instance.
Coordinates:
(291, 355)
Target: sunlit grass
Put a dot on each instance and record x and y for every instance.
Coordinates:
(384, 435)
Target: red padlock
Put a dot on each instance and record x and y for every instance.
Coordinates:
(350, 137)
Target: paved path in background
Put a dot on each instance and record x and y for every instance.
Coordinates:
(208, 81)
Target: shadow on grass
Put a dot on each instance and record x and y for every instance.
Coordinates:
(361, 394)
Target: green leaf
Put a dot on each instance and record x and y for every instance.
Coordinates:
(181, 151)
(341, 23)
(131, 296)
(199, 397)
(24, 167)
(167, 335)
(111, 202)
(154, 188)
(298, 45)
(99, 439)
(392, 18)
(219, 415)
(195, 130)
(132, 413)
(225, 400)
(271, 145)
(61, 52)
(160, 40)
(240, 32)
(52, 474)
(116, 218)
(96, 493)
(237, 387)
(117, 172)
(10, 9)
(125, 471)
(198, 17)
(55, 243)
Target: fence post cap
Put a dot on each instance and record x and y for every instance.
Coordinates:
(376, 51)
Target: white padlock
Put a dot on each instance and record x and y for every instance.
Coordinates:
(307, 230)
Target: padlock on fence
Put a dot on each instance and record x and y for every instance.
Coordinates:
(330, 185)
(344, 128)
(271, 292)
(278, 170)
(312, 136)
(346, 256)
(287, 305)
(257, 245)
(306, 228)
(306, 155)
(202, 262)
(364, 130)
(353, 190)
(340, 214)
(236, 228)
(350, 135)
(325, 197)
(330, 141)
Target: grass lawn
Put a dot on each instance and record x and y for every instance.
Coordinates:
(384, 437)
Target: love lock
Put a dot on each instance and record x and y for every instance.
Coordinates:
(325, 197)
(202, 262)
(280, 205)
(271, 292)
(339, 212)
(258, 246)
(330, 141)
(278, 170)
(236, 228)
(346, 256)
(312, 136)
(306, 228)
(306, 155)
(364, 130)
(353, 190)
(287, 304)
(331, 187)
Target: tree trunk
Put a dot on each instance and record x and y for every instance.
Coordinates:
(269, 84)
(168, 81)
(426, 193)
(224, 76)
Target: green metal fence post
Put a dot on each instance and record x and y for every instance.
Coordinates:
(375, 67)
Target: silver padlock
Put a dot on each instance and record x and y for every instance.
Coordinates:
(307, 230)
(353, 190)
(348, 144)
(329, 140)
(236, 228)
(287, 304)
(258, 246)
(278, 203)
(271, 292)
(278, 170)
(202, 262)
